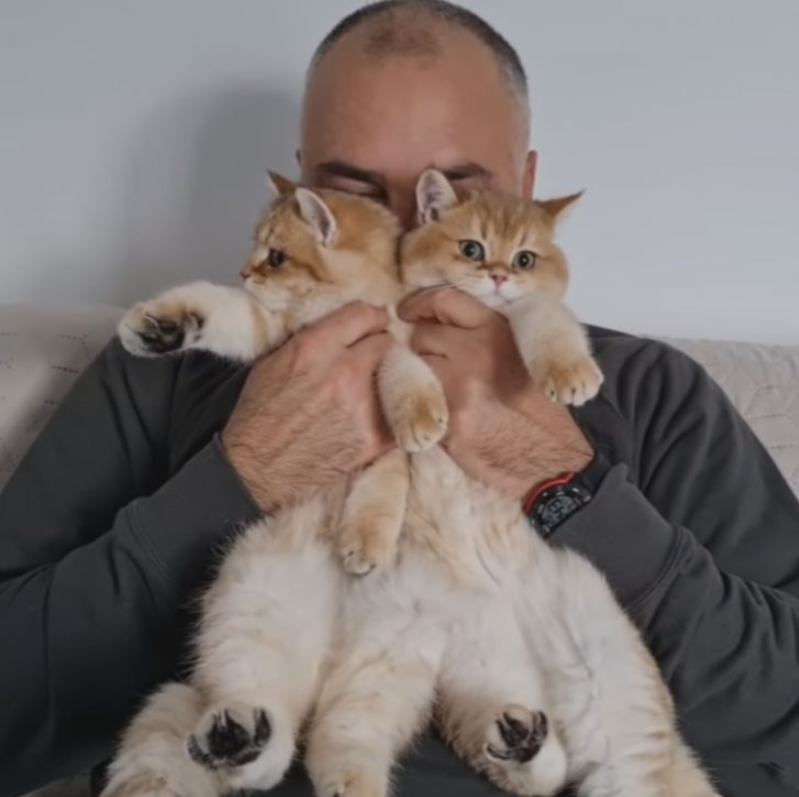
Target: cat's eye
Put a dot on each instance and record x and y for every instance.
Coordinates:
(473, 250)
(275, 258)
(524, 260)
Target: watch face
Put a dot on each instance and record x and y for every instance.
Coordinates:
(558, 504)
(558, 508)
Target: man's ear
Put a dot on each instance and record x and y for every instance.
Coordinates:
(528, 180)
(279, 185)
(434, 195)
(556, 208)
(318, 216)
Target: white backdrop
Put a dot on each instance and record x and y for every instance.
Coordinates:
(134, 137)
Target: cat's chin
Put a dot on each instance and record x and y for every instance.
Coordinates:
(274, 300)
(492, 299)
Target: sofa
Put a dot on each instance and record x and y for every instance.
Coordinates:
(43, 350)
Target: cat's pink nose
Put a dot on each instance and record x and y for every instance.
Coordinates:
(499, 278)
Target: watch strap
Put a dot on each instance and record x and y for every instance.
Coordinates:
(532, 497)
(551, 504)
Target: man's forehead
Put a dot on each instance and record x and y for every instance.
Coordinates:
(410, 103)
(351, 82)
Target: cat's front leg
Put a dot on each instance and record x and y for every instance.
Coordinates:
(411, 395)
(216, 318)
(556, 350)
(373, 514)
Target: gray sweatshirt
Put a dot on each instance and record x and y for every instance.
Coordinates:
(112, 522)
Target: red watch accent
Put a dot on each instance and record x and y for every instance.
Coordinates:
(529, 500)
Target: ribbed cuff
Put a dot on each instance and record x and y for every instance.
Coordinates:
(621, 533)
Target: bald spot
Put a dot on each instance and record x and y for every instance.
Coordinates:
(458, 58)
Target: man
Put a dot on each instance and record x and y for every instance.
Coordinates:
(111, 523)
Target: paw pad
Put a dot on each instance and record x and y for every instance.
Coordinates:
(226, 739)
(518, 736)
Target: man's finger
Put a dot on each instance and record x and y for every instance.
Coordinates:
(442, 368)
(350, 324)
(446, 306)
(370, 350)
(430, 337)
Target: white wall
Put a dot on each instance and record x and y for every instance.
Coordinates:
(134, 136)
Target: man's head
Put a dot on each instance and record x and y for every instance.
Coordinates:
(404, 85)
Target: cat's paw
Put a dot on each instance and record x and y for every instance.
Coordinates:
(351, 782)
(573, 382)
(160, 326)
(516, 735)
(523, 754)
(364, 545)
(229, 737)
(422, 422)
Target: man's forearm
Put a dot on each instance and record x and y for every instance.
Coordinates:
(89, 635)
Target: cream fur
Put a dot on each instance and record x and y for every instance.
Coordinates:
(519, 651)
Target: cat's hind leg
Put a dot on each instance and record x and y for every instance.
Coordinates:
(376, 699)
(265, 633)
(152, 760)
(493, 707)
(611, 700)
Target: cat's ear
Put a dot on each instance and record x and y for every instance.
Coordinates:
(314, 210)
(434, 195)
(279, 185)
(556, 208)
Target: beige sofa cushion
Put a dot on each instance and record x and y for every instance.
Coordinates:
(763, 383)
(42, 351)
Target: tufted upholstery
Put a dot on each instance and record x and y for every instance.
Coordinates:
(763, 383)
(43, 351)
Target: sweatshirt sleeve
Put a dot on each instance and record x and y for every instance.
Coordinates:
(92, 596)
(699, 538)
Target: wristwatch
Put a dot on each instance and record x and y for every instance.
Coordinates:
(551, 504)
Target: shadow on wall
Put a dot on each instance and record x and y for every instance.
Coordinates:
(196, 185)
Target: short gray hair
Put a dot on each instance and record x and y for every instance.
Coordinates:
(415, 39)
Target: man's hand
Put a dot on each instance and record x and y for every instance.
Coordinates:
(308, 413)
(502, 431)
